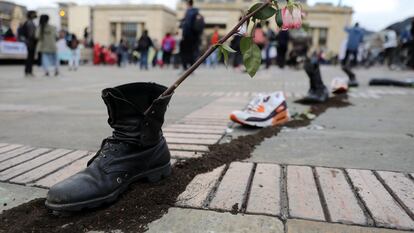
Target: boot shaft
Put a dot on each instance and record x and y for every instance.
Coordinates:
(126, 106)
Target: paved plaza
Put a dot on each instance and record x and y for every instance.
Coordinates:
(351, 170)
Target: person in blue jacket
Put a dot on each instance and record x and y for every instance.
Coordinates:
(355, 38)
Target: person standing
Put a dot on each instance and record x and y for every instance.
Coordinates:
(212, 59)
(46, 35)
(121, 52)
(355, 37)
(270, 43)
(144, 44)
(168, 46)
(192, 26)
(29, 37)
(74, 53)
(282, 47)
(259, 36)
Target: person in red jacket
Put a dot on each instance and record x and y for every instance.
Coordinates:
(168, 46)
(212, 59)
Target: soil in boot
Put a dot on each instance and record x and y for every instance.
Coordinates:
(136, 150)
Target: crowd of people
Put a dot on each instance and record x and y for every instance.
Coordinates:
(46, 46)
(183, 46)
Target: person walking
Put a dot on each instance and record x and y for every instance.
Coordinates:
(46, 35)
(192, 26)
(259, 36)
(168, 46)
(355, 37)
(144, 44)
(74, 53)
(282, 47)
(28, 31)
(121, 52)
(270, 44)
(212, 59)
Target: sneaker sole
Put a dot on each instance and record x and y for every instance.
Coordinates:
(152, 176)
(279, 119)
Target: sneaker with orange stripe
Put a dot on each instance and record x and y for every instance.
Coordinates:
(263, 111)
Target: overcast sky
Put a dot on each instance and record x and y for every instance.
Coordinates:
(372, 14)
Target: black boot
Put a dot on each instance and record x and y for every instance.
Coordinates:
(351, 75)
(318, 93)
(137, 150)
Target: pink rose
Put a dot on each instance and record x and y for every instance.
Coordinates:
(291, 20)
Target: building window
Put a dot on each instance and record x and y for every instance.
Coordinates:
(323, 36)
(129, 32)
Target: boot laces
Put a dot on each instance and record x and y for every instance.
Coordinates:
(255, 104)
(108, 144)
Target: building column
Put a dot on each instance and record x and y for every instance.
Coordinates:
(118, 33)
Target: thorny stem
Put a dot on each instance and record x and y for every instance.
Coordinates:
(200, 60)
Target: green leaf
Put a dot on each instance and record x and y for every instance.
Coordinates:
(279, 19)
(228, 48)
(219, 54)
(225, 55)
(252, 56)
(263, 14)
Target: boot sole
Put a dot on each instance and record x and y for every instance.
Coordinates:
(152, 176)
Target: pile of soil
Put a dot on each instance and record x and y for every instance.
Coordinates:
(143, 202)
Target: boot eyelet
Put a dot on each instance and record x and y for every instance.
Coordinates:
(146, 124)
(104, 155)
(119, 180)
(126, 176)
(153, 112)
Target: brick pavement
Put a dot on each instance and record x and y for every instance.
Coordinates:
(333, 195)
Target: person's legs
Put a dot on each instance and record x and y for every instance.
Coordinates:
(143, 62)
(77, 58)
(268, 61)
(346, 67)
(72, 59)
(46, 62)
(55, 62)
(31, 50)
(282, 57)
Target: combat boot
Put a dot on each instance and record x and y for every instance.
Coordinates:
(136, 150)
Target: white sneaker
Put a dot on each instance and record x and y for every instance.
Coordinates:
(263, 111)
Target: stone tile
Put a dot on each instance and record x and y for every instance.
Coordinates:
(22, 158)
(265, 191)
(303, 226)
(199, 188)
(303, 195)
(385, 210)
(63, 173)
(341, 201)
(16, 152)
(200, 221)
(13, 195)
(183, 147)
(49, 167)
(401, 186)
(193, 126)
(31, 164)
(185, 154)
(195, 141)
(232, 188)
(193, 135)
(196, 131)
(9, 148)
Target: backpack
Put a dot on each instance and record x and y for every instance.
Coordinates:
(143, 44)
(168, 45)
(198, 24)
